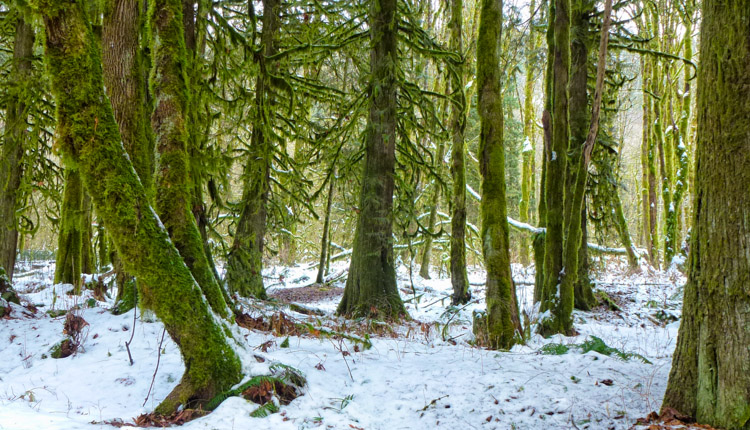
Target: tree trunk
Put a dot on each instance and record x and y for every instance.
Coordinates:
(169, 122)
(324, 245)
(245, 260)
(558, 302)
(528, 153)
(88, 136)
(502, 307)
(70, 236)
(709, 378)
(459, 277)
(14, 136)
(371, 289)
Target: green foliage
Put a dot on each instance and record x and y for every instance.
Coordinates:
(593, 343)
(265, 410)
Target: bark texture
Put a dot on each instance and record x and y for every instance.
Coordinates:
(709, 379)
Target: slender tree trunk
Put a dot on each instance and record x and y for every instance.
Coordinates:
(245, 260)
(169, 122)
(371, 286)
(459, 278)
(709, 378)
(326, 236)
(621, 225)
(12, 150)
(528, 153)
(424, 267)
(503, 320)
(88, 136)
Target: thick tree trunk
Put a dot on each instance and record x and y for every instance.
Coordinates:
(124, 73)
(245, 260)
(709, 378)
(371, 286)
(70, 236)
(459, 278)
(169, 121)
(12, 150)
(502, 307)
(88, 136)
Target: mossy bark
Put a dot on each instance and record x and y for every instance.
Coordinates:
(169, 122)
(245, 259)
(371, 289)
(459, 277)
(559, 303)
(70, 237)
(709, 378)
(503, 321)
(89, 138)
(621, 225)
(14, 137)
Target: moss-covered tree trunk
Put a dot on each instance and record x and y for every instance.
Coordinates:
(169, 121)
(89, 138)
(459, 278)
(502, 308)
(424, 267)
(245, 259)
(70, 235)
(125, 76)
(529, 127)
(326, 236)
(371, 285)
(13, 139)
(621, 225)
(557, 304)
(709, 379)
(579, 128)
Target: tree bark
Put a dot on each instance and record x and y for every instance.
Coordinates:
(459, 277)
(371, 289)
(326, 236)
(709, 378)
(70, 236)
(11, 153)
(88, 136)
(169, 122)
(503, 321)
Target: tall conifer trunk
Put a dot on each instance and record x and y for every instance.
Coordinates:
(12, 150)
(88, 136)
(709, 379)
(371, 286)
(245, 259)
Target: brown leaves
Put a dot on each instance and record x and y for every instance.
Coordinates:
(670, 419)
(264, 392)
(175, 419)
(74, 324)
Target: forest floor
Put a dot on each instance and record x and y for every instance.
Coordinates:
(421, 374)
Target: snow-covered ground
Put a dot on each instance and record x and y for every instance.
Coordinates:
(422, 374)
